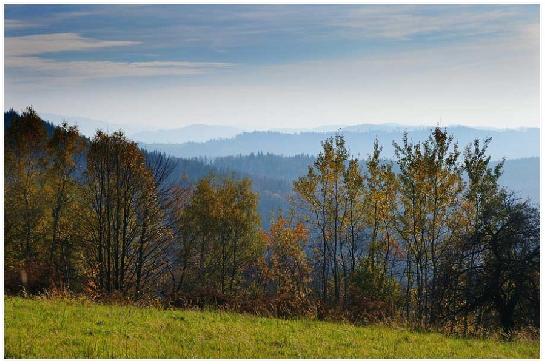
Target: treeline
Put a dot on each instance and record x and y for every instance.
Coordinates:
(266, 164)
(430, 239)
(423, 243)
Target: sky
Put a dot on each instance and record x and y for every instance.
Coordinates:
(275, 66)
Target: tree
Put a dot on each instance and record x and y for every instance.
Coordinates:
(354, 221)
(128, 238)
(285, 269)
(461, 270)
(221, 239)
(380, 203)
(64, 150)
(322, 193)
(509, 279)
(25, 165)
(374, 296)
(430, 188)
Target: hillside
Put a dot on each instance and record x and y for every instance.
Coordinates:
(194, 132)
(273, 175)
(41, 328)
(508, 143)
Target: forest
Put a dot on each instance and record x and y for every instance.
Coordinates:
(429, 239)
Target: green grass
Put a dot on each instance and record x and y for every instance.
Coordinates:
(41, 328)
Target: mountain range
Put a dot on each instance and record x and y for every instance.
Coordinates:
(211, 141)
(190, 133)
(506, 143)
(184, 134)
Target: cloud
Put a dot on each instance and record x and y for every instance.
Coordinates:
(80, 70)
(31, 45)
(254, 25)
(12, 24)
(43, 21)
(405, 22)
(23, 56)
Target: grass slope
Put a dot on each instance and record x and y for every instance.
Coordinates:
(40, 328)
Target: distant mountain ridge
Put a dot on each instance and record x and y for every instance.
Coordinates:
(508, 143)
(189, 133)
(305, 142)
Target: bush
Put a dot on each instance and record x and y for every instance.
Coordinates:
(374, 297)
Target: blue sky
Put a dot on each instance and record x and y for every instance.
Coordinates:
(273, 66)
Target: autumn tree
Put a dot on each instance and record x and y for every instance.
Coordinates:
(128, 236)
(430, 188)
(285, 269)
(25, 216)
(221, 239)
(380, 195)
(322, 194)
(354, 222)
(65, 149)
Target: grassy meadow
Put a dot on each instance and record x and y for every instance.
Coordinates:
(46, 328)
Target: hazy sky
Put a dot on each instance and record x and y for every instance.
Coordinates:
(276, 66)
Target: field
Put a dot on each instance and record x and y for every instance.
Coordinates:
(42, 328)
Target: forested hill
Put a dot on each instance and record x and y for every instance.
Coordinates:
(11, 114)
(508, 143)
(273, 176)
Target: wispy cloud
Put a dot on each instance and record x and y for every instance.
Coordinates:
(13, 24)
(79, 70)
(37, 44)
(406, 21)
(25, 56)
(252, 25)
(43, 21)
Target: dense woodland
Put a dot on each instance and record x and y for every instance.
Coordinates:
(429, 239)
